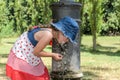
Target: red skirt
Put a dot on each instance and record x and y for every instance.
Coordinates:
(17, 69)
(18, 75)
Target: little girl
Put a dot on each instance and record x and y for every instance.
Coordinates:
(24, 61)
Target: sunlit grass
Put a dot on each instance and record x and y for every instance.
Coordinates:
(104, 64)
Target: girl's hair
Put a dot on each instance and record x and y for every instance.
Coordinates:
(44, 26)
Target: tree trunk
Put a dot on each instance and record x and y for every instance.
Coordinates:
(81, 27)
(94, 23)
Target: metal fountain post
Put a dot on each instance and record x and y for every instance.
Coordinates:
(69, 67)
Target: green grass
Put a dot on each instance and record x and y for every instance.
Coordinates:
(103, 64)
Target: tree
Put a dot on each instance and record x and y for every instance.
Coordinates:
(95, 20)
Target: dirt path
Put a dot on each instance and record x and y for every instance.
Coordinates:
(3, 61)
(2, 74)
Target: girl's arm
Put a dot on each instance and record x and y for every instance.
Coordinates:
(44, 40)
(55, 56)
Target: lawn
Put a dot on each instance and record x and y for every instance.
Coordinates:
(103, 64)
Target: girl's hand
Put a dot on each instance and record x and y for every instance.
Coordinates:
(57, 56)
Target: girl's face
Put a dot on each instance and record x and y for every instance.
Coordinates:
(61, 38)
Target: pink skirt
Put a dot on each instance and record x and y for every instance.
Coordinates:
(18, 69)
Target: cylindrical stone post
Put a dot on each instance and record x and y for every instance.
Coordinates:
(69, 67)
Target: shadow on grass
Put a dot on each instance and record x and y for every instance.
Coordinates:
(109, 53)
(101, 50)
(48, 47)
(87, 75)
(10, 42)
(97, 68)
(4, 55)
(2, 65)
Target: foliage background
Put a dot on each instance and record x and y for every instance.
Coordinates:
(17, 15)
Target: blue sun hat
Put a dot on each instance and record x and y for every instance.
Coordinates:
(68, 26)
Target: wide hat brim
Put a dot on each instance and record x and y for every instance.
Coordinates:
(68, 26)
(60, 26)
